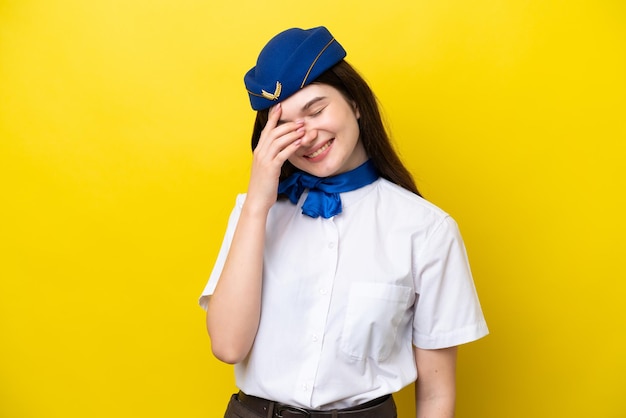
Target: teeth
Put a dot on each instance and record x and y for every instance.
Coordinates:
(319, 151)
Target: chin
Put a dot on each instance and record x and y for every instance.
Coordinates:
(316, 169)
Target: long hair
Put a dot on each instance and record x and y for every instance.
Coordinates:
(374, 136)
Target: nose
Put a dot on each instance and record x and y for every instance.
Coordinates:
(310, 135)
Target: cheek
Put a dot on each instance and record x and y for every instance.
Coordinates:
(347, 124)
(354, 128)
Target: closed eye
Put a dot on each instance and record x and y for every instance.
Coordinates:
(317, 112)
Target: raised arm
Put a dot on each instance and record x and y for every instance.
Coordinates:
(435, 389)
(234, 309)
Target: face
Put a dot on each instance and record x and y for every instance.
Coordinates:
(331, 144)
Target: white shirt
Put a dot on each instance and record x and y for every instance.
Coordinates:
(344, 299)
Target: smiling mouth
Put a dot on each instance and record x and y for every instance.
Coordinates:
(320, 150)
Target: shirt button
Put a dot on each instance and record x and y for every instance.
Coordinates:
(331, 245)
(323, 291)
(314, 338)
(304, 386)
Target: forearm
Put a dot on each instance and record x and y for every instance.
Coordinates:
(435, 388)
(438, 406)
(234, 308)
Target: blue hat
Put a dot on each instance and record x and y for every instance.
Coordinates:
(290, 61)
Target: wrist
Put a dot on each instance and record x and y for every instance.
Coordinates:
(253, 208)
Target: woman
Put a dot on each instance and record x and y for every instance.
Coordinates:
(337, 284)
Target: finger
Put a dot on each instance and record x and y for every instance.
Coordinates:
(272, 148)
(295, 133)
(290, 148)
(274, 117)
(271, 124)
(281, 134)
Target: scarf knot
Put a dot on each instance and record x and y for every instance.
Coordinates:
(324, 193)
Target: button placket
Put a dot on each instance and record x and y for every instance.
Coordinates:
(317, 321)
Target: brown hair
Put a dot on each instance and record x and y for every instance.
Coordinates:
(374, 136)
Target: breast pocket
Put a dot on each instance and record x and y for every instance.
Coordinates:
(373, 317)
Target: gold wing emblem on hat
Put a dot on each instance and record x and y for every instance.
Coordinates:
(275, 95)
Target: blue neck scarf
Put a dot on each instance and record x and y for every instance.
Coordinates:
(323, 198)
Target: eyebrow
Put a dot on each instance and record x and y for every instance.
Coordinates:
(307, 105)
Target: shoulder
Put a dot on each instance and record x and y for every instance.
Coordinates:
(401, 201)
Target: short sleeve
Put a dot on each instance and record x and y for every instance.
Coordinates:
(447, 309)
(223, 253)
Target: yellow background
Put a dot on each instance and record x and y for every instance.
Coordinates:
(124, 136)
